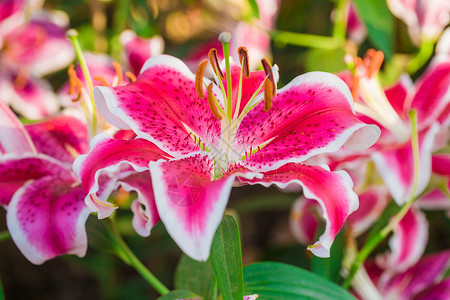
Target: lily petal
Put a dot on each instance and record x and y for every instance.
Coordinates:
(397, 93)
(46, 218)
(332, 190)
(137, 50)
(440, 290)
(432, 93)
(406, 285)
(190, 203)
(161, 106)
(108, 155)
(441, 163)
(434, 200)
(303, 221)
(144, 206)
(63, 137)
(407, 243)
(396, 166)
(313, 114)
(31, 97)
(356, 30)
(15, 170)
(13, 136)
(372, 203)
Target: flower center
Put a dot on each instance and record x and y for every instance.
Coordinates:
(230, 113)
(376, 105)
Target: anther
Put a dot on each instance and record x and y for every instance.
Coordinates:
(268, 94)
(74, 82)
(130, 76)
(199, 73)
(243, 58)
(269, 74)
(211, 103)
(102, 80)
(119, 73)
(270, 88)
(375, 63)
(214, 61)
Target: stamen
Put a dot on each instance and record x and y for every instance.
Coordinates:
(21, 80)
(243, 59)
(375, 63)
(268, 94)
(199, 78)
(74, 82)
(102, 80)
(214, 61)
(211, 103)
(270, 88)
(119, 73)
(269, 73)
(130, 76)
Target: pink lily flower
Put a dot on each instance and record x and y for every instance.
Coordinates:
(137, 50)
(31, 50)
(425, 18)
(196, 139)
(423, 280)
(388, 108)
(43, 197)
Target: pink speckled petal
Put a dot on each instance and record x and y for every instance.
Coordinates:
(332, 190)
(31, 97)
(108, 155)
(407, 243)
(62, 138)
(15, 170)
(137, 50)
(160, 106)
(303, 220)
(46, 218)
(396, 166)
(144, 206)
(431, 96)
(189, 202)
(406, 285)
(13, 136)
(372, 203)
(313, 114)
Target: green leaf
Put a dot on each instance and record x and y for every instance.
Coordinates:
(179, 294)
(379, 22)
(2, 295)
(272, 281)
(254, 10)
(226, 259)
(329, 268)
(325, 60)
(195, 276)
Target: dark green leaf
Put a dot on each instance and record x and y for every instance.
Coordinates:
(379, 23)
(2, 295)
(226, 259)
(330, 267)
(194, 276)
(279, 281)
(179, 294)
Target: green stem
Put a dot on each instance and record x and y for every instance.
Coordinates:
(380, 236)
(72, 34)
(306, 40)
(125, 253)
(340, 22)
(425, 52)
(4, 235)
